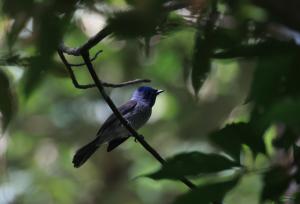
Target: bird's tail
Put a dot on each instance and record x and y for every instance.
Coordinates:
(85, 152)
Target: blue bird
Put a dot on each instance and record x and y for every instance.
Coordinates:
(137, 111)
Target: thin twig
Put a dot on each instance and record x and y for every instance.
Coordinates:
(71, 73)
(83, 64)
(126, 83)
(133, 132)
(87, 86)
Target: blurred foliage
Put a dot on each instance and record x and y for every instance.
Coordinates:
(193, 164)
(229, 119)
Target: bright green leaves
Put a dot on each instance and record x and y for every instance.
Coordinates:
(7, 102)
(207, 194)
(193, 164)
(233, 136)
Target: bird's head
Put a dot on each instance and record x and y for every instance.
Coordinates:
(146, 94)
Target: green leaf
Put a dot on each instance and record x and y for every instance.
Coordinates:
(275, 183)
(275, 77)
(227, 39)
(207, 194)
(285, 111)
(134, 23)
(265, 48)
(192, 164)
(233, 136)
(35, 73)
(296, 155)
(297, 198)
(201, 61)
(16, 7)
(50, 32)
(6, 100)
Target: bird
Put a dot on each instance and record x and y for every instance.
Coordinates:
(136, 111)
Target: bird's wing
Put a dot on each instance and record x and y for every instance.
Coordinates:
(115, 143)
(124, 109)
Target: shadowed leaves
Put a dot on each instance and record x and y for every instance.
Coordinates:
(207, 194)
(285, 111)
(265, 48)
(286, 140)
(6, 100)
(142, 21)
(193, 164)
(274, 78)
(50, 30)
(233, 136)
(201, 61)
(276, 182)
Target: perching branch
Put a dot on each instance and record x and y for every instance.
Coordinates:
(133, 132)
(89, 44)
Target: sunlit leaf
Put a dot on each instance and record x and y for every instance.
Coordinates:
(6, 100)
(233, 136)
(207, 194)
(275, 183)
(192, 164)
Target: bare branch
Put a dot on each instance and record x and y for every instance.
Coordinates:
(135, 81)
(133, 132)
(106, 84)
(89, 44)
(83, 64)
(71, 73)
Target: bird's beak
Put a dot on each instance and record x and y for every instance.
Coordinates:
(159, 91)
